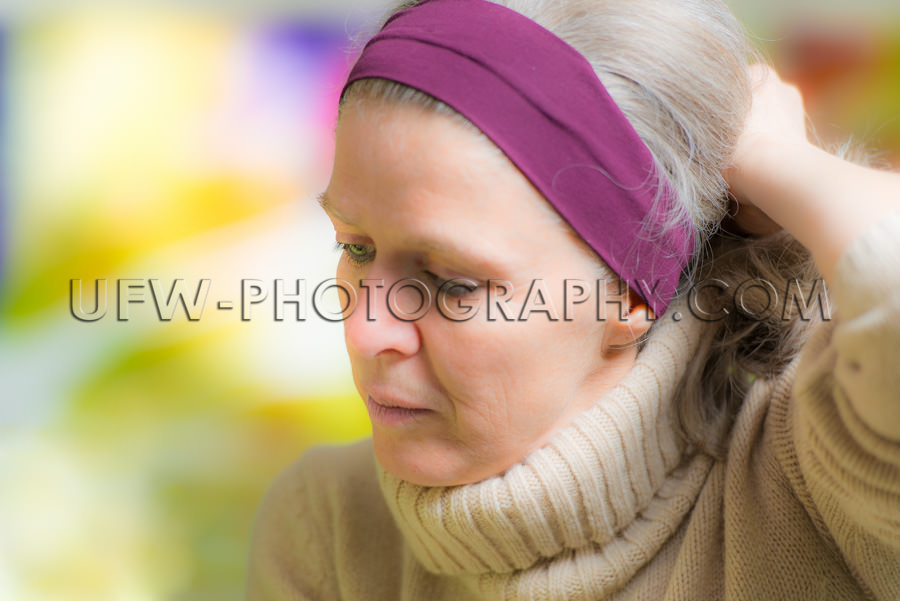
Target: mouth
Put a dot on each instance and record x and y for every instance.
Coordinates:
(388, 412)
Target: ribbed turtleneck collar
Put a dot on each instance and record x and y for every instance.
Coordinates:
(577, 518)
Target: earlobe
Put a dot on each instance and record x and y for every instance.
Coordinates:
(629, 331)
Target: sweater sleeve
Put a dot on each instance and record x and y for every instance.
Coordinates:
(291, 540)
(847, 412)
(324, 533)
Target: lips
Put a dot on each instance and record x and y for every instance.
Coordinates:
(392, 411)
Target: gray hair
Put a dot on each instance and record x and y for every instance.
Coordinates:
(678, 71)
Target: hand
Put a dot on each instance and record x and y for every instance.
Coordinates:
(776, 117)
(781, 181)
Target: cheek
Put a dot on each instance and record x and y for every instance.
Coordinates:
(499, 372)
(521, 356)
(474, 358)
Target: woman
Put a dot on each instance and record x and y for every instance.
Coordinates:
(543, 437)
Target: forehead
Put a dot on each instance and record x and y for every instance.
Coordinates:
(410, 179)
(407, 174)
(398, 150)
(421, 136)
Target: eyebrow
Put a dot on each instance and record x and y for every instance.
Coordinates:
(430, 245)
(322, 199)
(328, 207)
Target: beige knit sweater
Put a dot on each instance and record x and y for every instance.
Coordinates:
(806, 505)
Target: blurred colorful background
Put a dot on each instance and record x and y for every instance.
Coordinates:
(149, 141)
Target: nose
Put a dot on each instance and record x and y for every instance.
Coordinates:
(375, 327)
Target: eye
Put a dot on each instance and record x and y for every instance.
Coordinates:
(454, 287)
(358, 254)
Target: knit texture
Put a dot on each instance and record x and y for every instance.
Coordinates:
(806, 505)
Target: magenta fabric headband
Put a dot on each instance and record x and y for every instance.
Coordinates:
(540, 102)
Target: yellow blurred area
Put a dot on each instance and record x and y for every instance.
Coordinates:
(165, 145)
(125, 146)
(153, 142)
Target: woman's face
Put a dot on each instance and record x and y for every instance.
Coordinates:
(415, 195)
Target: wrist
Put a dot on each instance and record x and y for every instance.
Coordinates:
(766, 166)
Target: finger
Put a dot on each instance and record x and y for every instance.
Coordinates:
(760, 73)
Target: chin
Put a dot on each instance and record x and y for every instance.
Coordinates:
(415, 462)
(412, 465)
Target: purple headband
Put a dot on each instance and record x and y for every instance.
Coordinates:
(539, 100)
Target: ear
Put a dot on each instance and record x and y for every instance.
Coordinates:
(623, 331)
